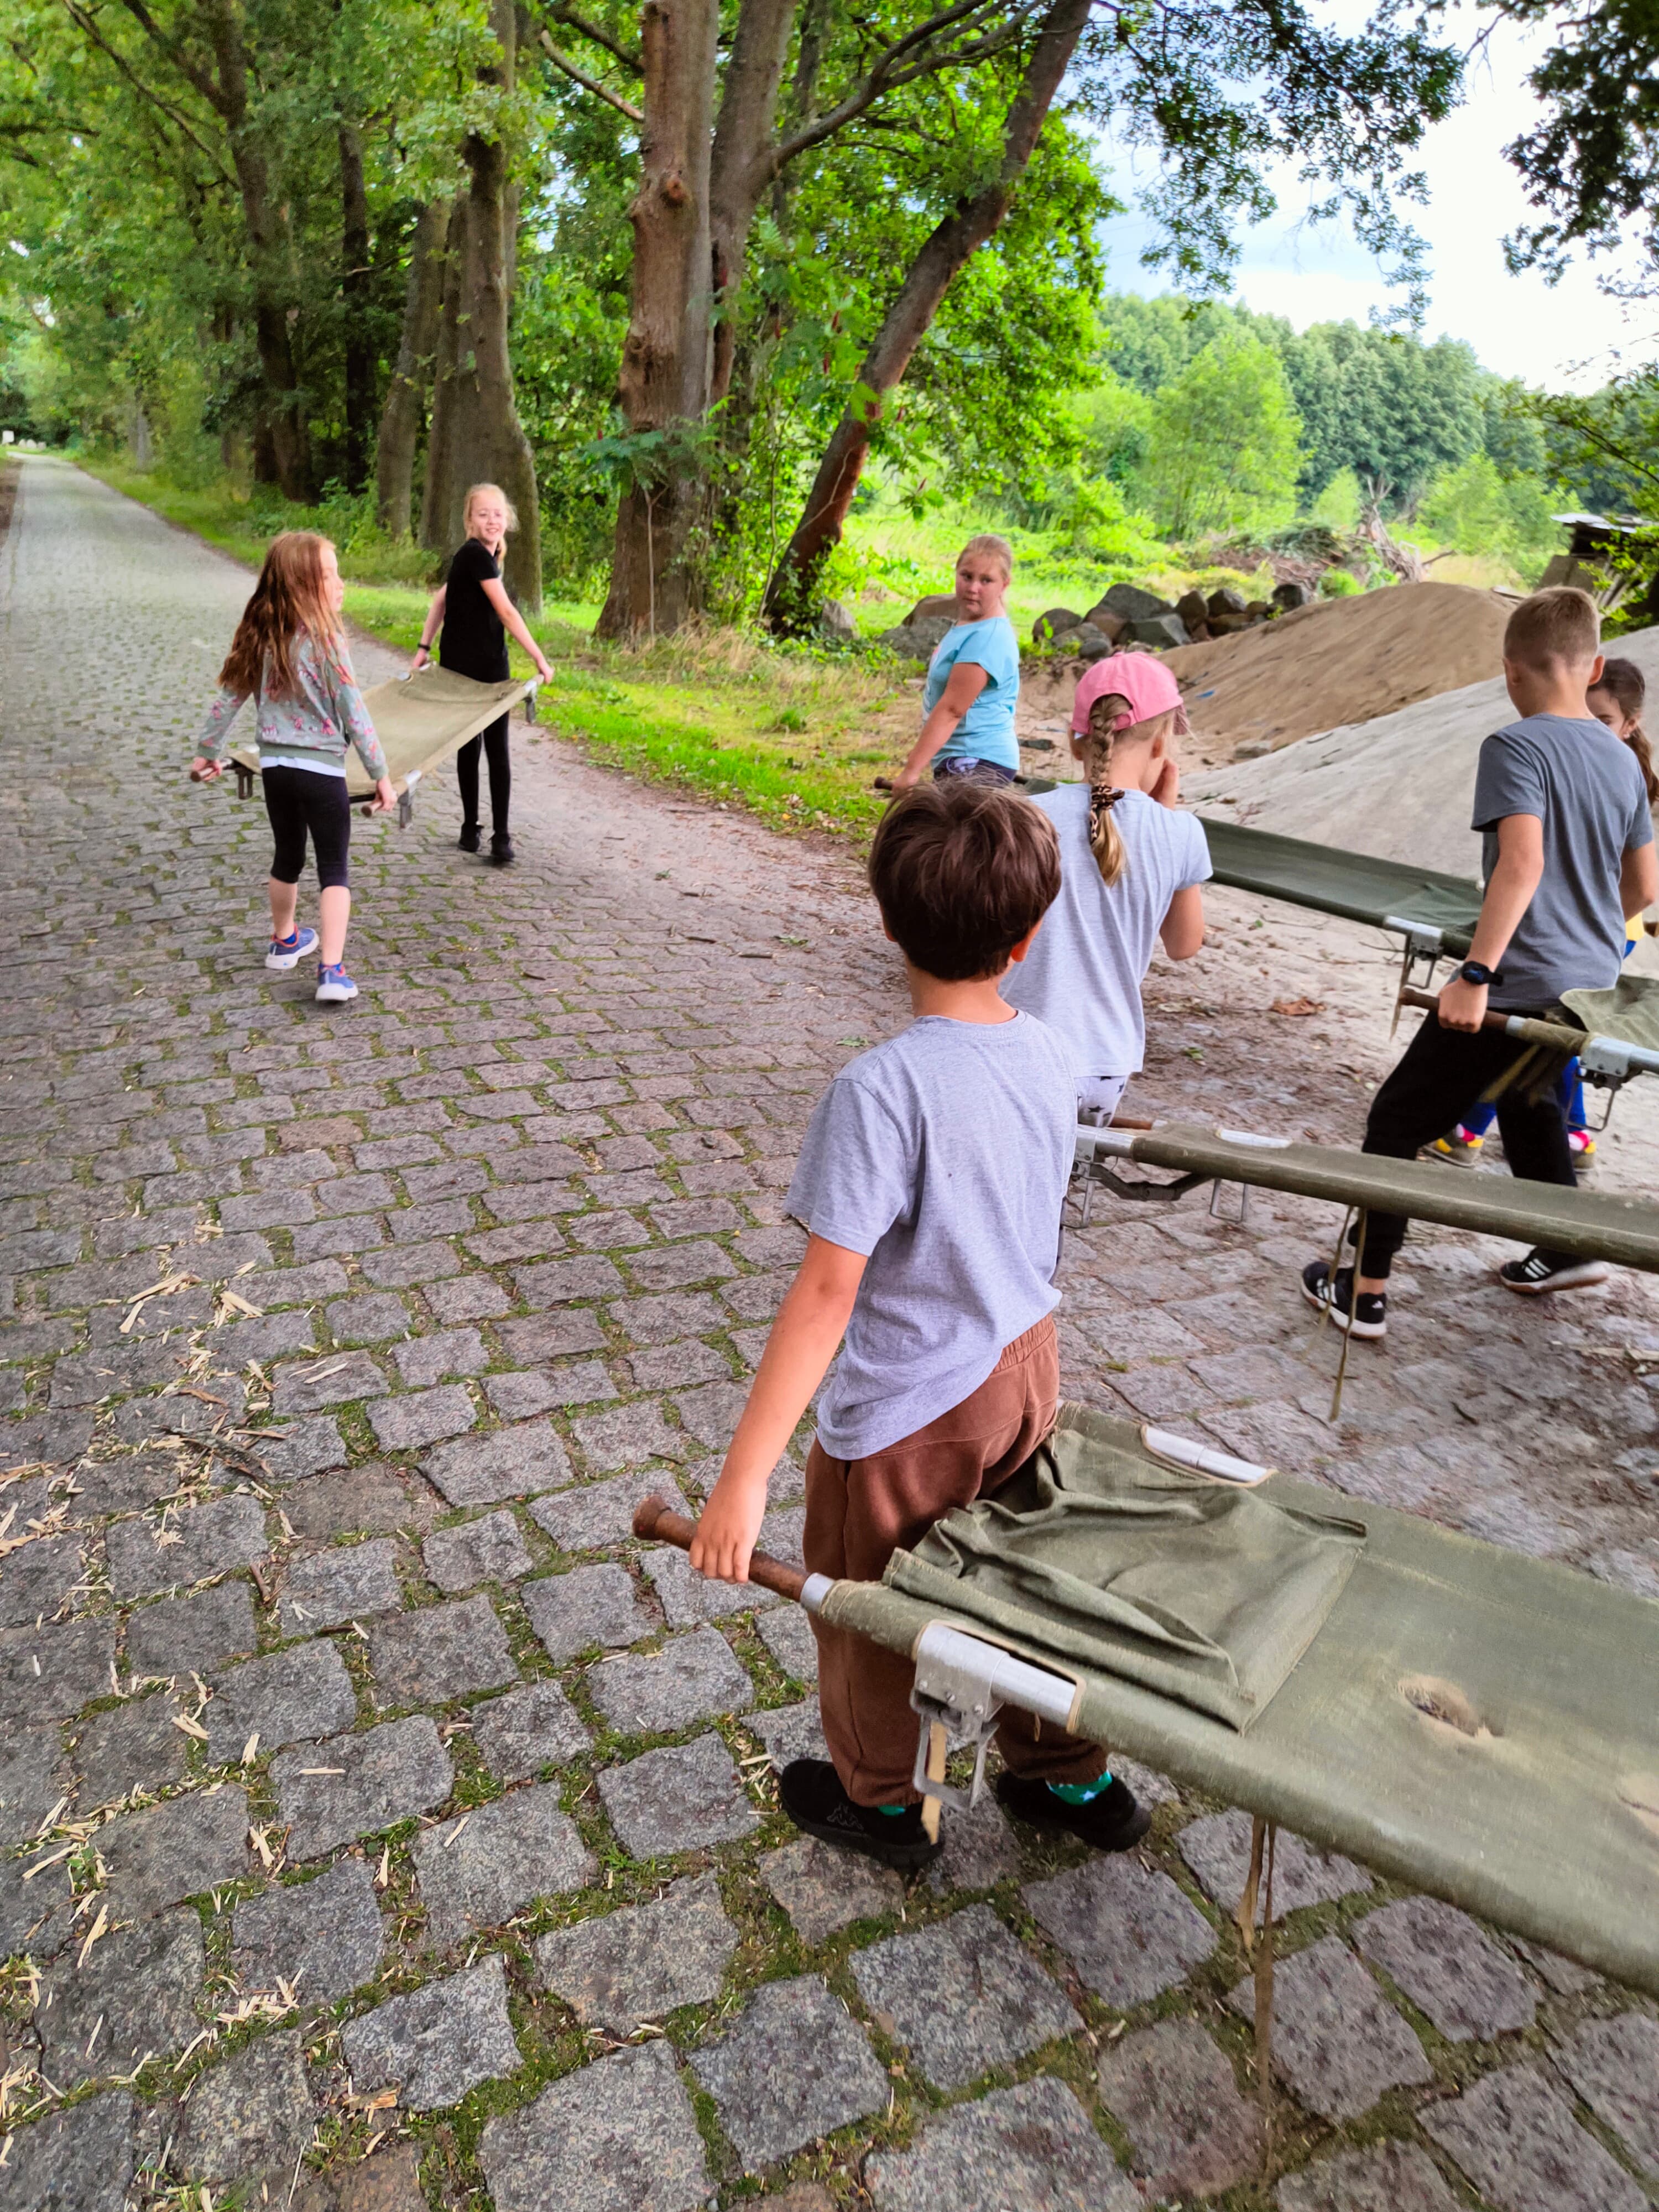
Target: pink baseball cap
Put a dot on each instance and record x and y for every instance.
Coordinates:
(1140, 679)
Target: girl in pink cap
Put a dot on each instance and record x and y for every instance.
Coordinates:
(1131, 865)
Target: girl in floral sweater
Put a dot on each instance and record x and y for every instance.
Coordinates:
(290, 657)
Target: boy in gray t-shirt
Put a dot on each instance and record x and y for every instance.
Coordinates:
(1562, 808)
(930, 1184)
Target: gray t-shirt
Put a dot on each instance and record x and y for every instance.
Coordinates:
(1083, 973)
(1583, 785)
(943, 1155)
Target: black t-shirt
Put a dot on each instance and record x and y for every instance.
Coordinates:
(472, 641)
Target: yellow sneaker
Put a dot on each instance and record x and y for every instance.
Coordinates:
(1459, 1149)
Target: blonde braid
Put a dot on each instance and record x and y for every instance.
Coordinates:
(1105, 838)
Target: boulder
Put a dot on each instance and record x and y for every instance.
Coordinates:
(1086, 642)
(1194, 609)
(1225, 625)
(1053, 622)
(1159, 630)
(835, 623)
(936, 603)
(1292, 595)
(1107, 620)
(1135, 604)
(1259, 609)
(918, 639)
(1227, 601)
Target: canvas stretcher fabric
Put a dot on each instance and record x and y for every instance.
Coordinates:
(420, 720)
(1356, 885)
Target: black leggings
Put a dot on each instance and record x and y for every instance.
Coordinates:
(493, 741)
(298, 799)
(1441, 1077)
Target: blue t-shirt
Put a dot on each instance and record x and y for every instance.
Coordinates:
(986, 732)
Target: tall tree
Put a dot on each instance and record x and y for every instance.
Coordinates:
(411, 373)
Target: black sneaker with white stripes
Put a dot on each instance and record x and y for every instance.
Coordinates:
(1369, 1318)
(1541, 1271)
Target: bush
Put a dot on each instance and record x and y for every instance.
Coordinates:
(1337, 583)
(1224, 453)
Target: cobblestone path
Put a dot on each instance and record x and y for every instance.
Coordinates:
(381, 1826)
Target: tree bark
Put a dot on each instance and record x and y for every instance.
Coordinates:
(742, 165)
(400, 417)
(665, 381)
(354, 293)
(476, 434)
(791, 598)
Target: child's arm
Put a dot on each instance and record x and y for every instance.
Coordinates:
(1183, 927)
(358, 731)
(513, 621)
(431, 626)
(962, 687)
(810, 1323)
(1638, 878)
(1510, 888)
(215, 729)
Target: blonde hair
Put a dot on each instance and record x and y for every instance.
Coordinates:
(290, 598)
(993, 548)
(478, 491)
(1562, 623)
(1099, 741)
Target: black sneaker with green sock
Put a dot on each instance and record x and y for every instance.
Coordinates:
(811, 1793)
(1106, 1814)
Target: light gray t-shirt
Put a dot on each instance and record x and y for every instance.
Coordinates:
(943, 1155)
(1583, 785)
(1083, 973)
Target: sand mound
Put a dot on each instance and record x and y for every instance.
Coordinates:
(1341, 661)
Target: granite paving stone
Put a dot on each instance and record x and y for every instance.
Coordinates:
(1030, 2147)
(512, 1463)
(470, 1297)
(789, 1732)
(692, 1678)
(251, 2118)
(1449, 1969)
(349, 1582)
(1613, 2064)
(476, 1871)
(1172, 2090)
(35, 1913)
(964, 1996)
(324, 1938)
(681, 1799)
(631, 1433)
(1389, 2177)
(423, 1360)
(487, 1549)
(1337, 2042)
(1217, 1850)
(180, 1637)
(338, 1378)
(592, 1515)
(1126, 1928)
(980, 1848)
(369, 1500)
(372, 1319)
(36, 1579)
(825, 1890)
(419, 1418)
(147, 1556)
(618, 2136)
(688, 1597)
(1515, 2136)
(437, 2042)
(531, 1728)
(174, 1850)
(792, 2066)
(711, 1413)
(589, 1605)
(787, 1635)
(143, 1981)
(644, 1960)
(301, 1447)
(1565, 1976)
(287, 1697)
(131, 1747)
(354, 1785)
(388, 2181)
(80, 2160)
(439, 1652)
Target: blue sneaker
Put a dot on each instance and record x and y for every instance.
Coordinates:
(288, 952)
(334, 986)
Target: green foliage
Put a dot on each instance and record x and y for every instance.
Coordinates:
(1224, 453)
(1338, 584)
(1339, 504)
(1473, 509)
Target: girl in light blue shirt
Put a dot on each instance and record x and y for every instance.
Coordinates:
(973, 679)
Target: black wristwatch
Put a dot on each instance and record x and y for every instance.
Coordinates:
(1473, 972)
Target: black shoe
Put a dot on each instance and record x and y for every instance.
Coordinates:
(1114, 1821)
(809, 1792)
(1371, 1318)
(468, 840)
(500, 849)
(1543, 1271)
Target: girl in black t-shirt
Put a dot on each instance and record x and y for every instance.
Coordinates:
(475, 614)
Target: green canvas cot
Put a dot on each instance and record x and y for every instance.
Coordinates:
(1466, 1719)
(420, 720)
(1593, 1225)
(1356, 885)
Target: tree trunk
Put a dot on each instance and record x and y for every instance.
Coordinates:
(477, 436)
(791, 598)
(740, 169)
(354, 293)
(400, 417)
(665, 368)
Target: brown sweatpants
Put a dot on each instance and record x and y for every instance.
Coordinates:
(859, 1512)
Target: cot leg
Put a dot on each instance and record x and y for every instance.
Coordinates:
(405, 810)
(244, 781)
(1259, 1883)
(1347, 1334)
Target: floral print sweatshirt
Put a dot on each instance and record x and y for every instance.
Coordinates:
(324, 712)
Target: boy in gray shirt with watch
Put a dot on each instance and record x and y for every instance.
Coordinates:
(1567, 850)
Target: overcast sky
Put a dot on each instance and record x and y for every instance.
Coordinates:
(1567, 335)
